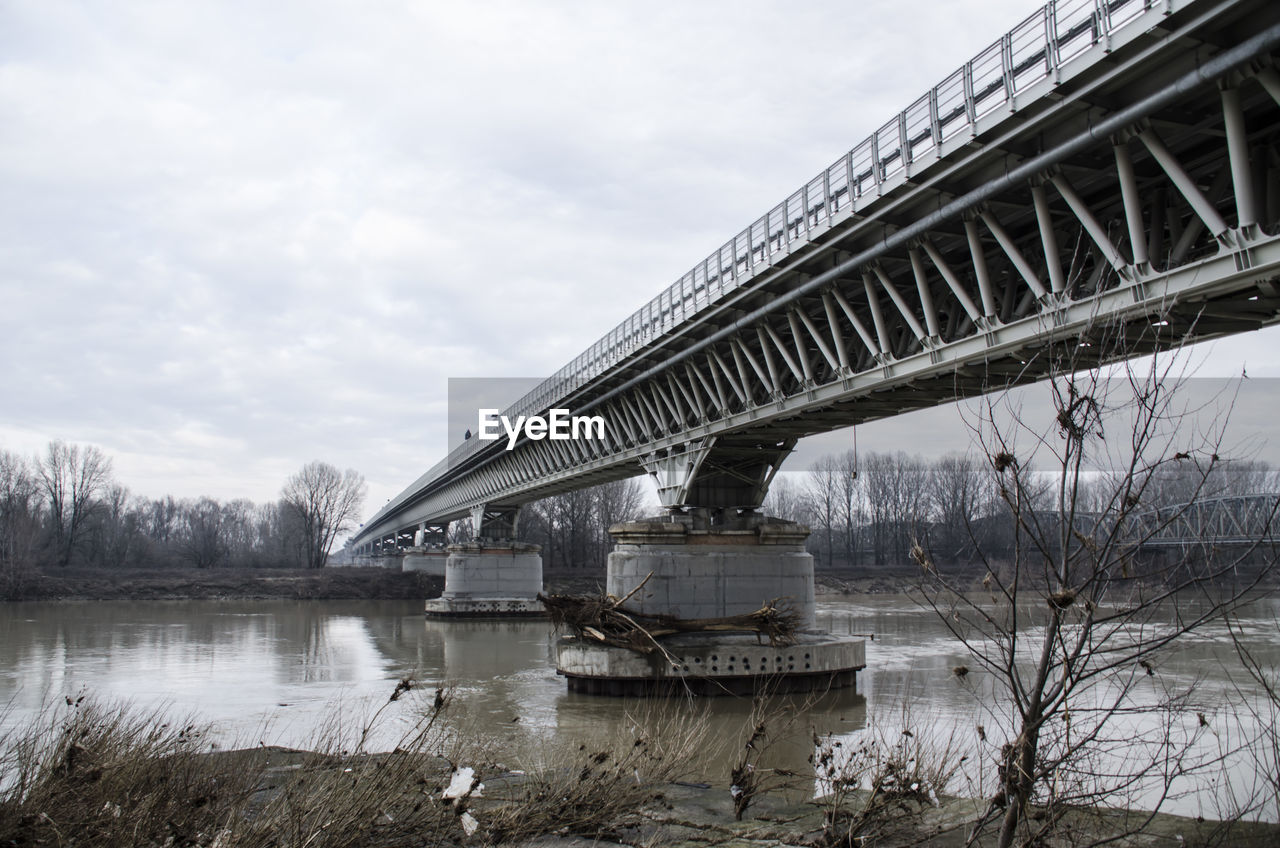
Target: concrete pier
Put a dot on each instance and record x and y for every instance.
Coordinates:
(692, 570)
(490, 578)
(428, 561)
(688, 567)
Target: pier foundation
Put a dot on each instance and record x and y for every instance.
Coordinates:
(427, 561)
(485, 579)
(688, 567)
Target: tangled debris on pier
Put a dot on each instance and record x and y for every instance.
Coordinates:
(605, 619)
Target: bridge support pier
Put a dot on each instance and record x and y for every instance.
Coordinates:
(685, 566)
(493, 576)
(428, 552)
(427, 560)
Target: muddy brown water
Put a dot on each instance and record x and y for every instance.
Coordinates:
(275, 672)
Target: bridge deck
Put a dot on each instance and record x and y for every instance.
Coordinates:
(1083, 174)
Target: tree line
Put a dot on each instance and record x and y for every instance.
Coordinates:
(870, 510)
(64, 508)
(573, 528)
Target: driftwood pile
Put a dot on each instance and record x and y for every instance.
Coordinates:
(604, 619)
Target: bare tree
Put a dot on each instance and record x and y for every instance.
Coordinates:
(851, 504)
(955, 501)
(162, 517)
(461, 531)
(116, 536)
(72, 477)
(895, 493)
(238, 531)
(1258, 712)
(823, 492)
(20, 517)
(277, 532)
(325, 502)
(1072, 637)
(788, 500)
(1190, 479)
(573, 527)
(621, 500)
(201, 535)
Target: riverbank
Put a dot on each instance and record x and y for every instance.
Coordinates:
(227, 584)
(689, 814)
(592, 799)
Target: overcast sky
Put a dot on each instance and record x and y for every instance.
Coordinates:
(238, 236)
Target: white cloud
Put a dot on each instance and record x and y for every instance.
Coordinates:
(238, 237)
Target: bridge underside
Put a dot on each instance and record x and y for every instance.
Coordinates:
(1130, 202)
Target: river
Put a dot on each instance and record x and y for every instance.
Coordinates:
(274, 672)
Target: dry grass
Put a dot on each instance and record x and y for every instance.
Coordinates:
(874, 786)
(342, 796)
(91, 774)
(594, 791)
(111, 776)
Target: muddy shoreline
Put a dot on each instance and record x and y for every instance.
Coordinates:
(227, 584)
(695, 814)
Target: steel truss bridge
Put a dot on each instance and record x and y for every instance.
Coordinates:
(1107, 170)
(1226, 521)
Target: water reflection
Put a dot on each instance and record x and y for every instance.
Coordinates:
(272, 670)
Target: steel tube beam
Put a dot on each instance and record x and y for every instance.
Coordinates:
(922, 288)
(873, 303)
(1095, 230)
(953, 283)
(1132, 204)
(1048, 240)
(1238, 154)
(1183, 183)
(979, 257)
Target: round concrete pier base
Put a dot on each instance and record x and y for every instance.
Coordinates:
(713, 664)
(490, 580)
(688, 567)
(427, 561)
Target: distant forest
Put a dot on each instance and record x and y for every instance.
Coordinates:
(868, 511)
(871, 510)
(64, 508)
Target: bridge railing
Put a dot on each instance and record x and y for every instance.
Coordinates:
(1033, 51)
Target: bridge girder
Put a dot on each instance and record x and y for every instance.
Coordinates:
(1124, 219)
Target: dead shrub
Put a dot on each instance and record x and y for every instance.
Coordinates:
(108, 775)
(594, 791)
(117, 777)
(340, 795)
(772, 719)
(874, 786)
